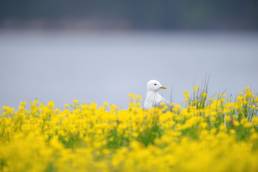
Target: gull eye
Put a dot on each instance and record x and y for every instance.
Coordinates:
(155, 84)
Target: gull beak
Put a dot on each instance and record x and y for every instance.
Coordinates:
(162, 87)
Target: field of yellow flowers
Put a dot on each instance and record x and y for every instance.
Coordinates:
(205, 134)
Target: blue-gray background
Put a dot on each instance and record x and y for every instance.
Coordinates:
(95, 50)
(63, 66)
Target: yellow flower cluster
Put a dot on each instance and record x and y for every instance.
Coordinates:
(220, 136)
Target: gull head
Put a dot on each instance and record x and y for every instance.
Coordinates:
(154, 86)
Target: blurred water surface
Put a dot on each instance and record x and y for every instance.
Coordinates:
(63, 66)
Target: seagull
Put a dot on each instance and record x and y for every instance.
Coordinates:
(153, 98)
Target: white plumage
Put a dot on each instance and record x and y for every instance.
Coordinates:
(153, 98)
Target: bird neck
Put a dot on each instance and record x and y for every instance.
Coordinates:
(152, 93)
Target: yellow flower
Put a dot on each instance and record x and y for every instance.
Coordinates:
(89, 137)
(227, 118)
(196, 88)
(186, 96)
